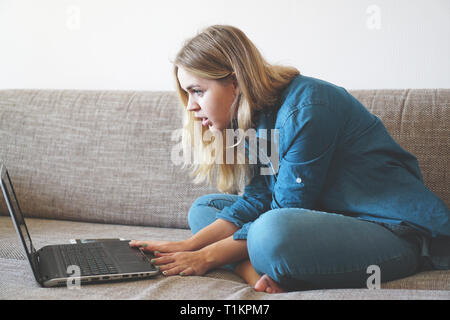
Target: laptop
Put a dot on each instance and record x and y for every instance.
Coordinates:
(79, 263)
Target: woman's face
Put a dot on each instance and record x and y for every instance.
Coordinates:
(210, 100)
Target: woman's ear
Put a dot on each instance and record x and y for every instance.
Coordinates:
(235, 84)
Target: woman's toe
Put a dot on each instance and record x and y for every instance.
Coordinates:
(260, 285)
(266, 284)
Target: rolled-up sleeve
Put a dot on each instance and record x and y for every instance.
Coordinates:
(254, 201)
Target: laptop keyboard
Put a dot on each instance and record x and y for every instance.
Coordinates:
(90, 257)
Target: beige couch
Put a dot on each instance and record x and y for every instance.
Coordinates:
(99, 164)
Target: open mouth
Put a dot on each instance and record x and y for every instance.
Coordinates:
(205, 122)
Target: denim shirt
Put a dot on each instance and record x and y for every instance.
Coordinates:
(335, 156)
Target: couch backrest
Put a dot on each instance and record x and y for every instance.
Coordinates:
(107, 156)
(100, 156)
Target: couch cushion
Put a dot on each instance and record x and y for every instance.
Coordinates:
(17, 281)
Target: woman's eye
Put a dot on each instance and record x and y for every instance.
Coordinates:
(197, 92)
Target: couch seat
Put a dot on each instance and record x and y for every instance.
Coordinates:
(17, 281)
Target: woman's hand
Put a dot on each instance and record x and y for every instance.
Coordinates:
(174, 257)
(182, 263)
(160, 246)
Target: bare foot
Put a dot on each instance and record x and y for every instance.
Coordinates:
(266, 284)
(261, 284)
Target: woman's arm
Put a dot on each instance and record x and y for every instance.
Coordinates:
(216, 231)
(199, 262)
(211, 247)
(225, 251)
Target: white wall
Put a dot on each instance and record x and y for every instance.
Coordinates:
(128, 44)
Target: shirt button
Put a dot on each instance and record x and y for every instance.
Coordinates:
(299, 180)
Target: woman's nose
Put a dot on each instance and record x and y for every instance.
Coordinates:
(192, 106)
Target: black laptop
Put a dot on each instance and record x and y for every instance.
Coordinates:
(82, 263)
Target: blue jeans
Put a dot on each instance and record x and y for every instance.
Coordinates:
(306, 249)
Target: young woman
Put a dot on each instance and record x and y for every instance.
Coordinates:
(343, 197)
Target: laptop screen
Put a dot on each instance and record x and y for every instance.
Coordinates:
(16, 213)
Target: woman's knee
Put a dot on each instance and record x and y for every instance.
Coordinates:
(204, 209)
(282, 230)
(274, 223)
(199, 214)
(269, 239)
(278, 240)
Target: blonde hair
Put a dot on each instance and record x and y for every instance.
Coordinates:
(224, 53)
